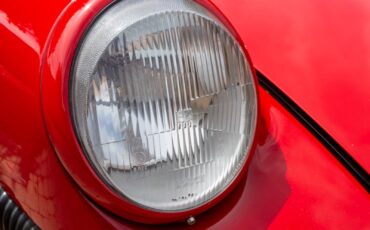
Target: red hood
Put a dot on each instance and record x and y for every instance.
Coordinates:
(318, 53)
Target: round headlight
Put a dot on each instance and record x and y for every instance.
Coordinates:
(164, 103)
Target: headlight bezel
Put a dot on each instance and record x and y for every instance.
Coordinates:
(57, 114)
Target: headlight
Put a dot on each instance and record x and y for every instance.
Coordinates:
(164, 103)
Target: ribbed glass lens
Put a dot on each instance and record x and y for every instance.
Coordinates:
(167, 112)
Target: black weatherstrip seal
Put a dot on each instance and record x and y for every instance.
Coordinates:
(338, 151)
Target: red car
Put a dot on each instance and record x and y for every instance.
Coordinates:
(135, 114)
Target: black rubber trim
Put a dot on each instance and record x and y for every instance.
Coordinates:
(361, 175)
(11, 216)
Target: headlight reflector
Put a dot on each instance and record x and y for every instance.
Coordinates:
(164, 103)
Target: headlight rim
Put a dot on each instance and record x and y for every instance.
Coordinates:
(57, 115)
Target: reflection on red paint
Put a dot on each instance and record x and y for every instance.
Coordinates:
(23, 33)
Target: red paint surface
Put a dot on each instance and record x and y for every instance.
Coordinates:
(293, 181)
(318, 53)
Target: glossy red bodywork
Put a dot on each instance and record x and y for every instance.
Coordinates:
(318, 53)
(293, 181)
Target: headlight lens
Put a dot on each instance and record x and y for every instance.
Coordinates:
(164, 103)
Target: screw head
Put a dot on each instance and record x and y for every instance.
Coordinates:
(191, 220)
